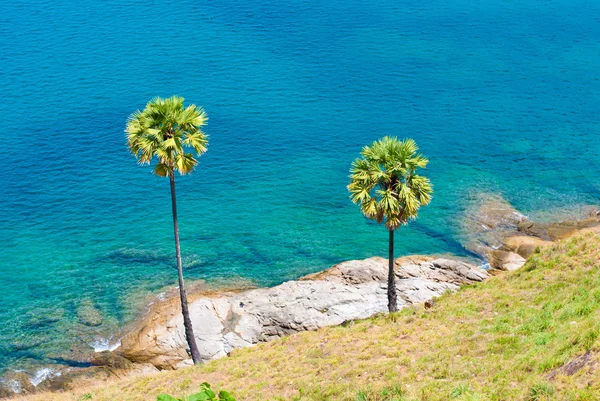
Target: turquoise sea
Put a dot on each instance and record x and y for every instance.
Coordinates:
(502, 95)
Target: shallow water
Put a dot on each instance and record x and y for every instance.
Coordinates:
(502, 96)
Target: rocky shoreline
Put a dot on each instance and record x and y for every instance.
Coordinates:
(225, 320)
(229, 319)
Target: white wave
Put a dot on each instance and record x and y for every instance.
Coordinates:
(104, 344)
(43, 374)
(521, 216)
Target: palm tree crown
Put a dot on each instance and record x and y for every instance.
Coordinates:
(164, 129)
(385, 184)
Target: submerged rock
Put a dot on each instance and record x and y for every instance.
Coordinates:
(560, 230)
(88, 314)
(229, 320)
(43, 317)
(488, 222)
(25, 342)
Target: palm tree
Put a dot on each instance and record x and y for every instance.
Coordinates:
(385, 185)
(164, 131)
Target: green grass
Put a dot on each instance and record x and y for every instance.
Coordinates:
(505, 339)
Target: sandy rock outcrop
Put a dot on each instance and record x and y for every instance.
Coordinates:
(230, 320)
(523, 245)
(505, 260)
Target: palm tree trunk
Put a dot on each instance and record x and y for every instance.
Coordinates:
(187, 323)
(391, 291)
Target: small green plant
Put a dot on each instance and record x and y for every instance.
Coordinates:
(540, 392)
(459, 391)
(85, 397)
(393, 393)
(361, 396)
(205, 394)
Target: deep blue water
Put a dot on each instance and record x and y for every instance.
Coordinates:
(503, 96)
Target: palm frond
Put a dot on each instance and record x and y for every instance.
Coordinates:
(185, 163)
(161, 170)
(196, 140)
(422, 188)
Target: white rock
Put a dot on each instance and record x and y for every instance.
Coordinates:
(350, 290)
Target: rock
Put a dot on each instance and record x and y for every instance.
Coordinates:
(25, 384)
(496, 231)
(88, 314)
(490, 219)
(574, 365)
(442, 270)
(143, 368)
(229, 320)
(353, 271)
(111, 359)
(523, 245)
(504, 260)
(68, 378)
(47, 373)
(44, 317)
(5, 391)
(14, 383)
(78, 354)
(25, 342)
(561, 230)
(62, 382)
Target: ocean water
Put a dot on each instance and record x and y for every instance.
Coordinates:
(502, 96)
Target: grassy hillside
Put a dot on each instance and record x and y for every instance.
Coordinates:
(527, 335)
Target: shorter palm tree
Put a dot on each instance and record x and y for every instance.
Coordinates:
(383, 181)
(170, 133)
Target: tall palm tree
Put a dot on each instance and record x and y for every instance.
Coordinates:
(164, 132)
(385, 185)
